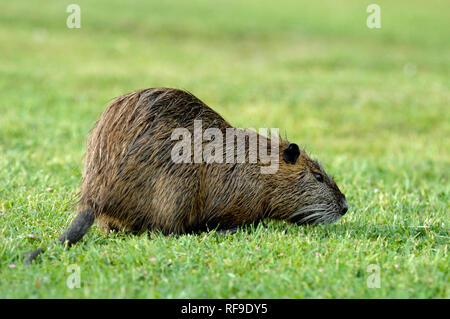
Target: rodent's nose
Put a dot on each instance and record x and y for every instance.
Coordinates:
(344, 208)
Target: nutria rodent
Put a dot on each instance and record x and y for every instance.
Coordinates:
(130, 181)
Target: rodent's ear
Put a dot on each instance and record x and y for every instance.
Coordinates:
(291, 153)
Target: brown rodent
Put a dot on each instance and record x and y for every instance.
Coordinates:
(130, 181)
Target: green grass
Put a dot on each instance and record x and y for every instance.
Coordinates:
(312, 69)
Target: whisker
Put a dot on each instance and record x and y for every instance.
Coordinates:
(309, 217)
(308, 209)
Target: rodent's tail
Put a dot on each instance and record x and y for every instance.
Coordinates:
(77, 229)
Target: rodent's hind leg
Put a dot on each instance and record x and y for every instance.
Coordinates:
(107, 225)
(104, 226)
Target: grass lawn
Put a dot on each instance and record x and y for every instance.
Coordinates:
(371, 104)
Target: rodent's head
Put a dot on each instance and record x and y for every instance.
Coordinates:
(303, 192)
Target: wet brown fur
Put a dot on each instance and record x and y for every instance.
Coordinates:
(131, 183)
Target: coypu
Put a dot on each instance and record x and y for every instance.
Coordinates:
(131, 182)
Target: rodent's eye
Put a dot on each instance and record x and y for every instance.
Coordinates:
(318, 176)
